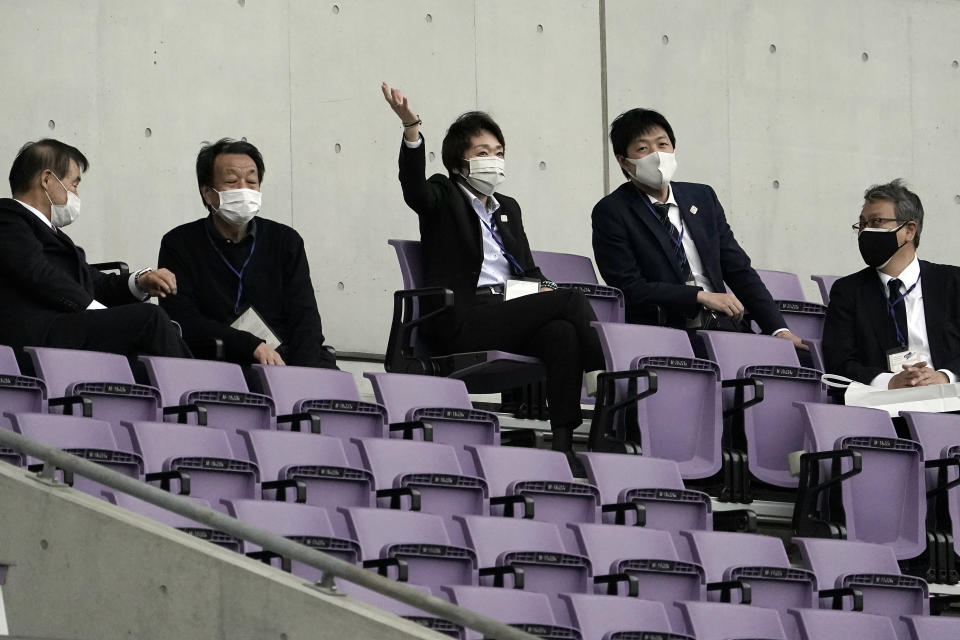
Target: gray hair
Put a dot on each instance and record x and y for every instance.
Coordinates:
(906, 204)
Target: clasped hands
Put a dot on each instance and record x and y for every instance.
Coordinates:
(917, 375)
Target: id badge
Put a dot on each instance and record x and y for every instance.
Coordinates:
(898, 356)
(517, 288)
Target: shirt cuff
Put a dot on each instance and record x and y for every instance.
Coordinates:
(779, 331)
(413, 145)
(95, 306)
(950, 375)
(135, 290)
(882, 380)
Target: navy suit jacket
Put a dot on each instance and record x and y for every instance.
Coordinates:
(858, 330)
(634, 253)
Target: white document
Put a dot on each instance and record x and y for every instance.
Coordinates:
(251, 322)
(520, 288)
(935, 398)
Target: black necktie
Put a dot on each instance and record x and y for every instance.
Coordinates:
(679, 255)
(899, 311)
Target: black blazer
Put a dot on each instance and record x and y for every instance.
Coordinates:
(450, 235)
(634, 253)
(858, 331)
(42, 275)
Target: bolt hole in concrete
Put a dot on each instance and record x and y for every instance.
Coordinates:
(543, 166)
(665, 39)
(242, 3)
(539, 28)
(432, 156)
(336, 9)
(340, 286)
(776, 184)
(956, 199)
(147, 132)
(44, 544)
(956, 64)
(773, 48)
(163, 588)
(336, 148)
(243, 139)
(428, 18)
(52, 124)
(864, 56)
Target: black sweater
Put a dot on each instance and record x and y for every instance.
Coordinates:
(276, 282)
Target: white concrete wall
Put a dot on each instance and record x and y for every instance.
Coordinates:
(301, 80)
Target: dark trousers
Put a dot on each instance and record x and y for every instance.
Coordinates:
(130, 329)
(553, 326)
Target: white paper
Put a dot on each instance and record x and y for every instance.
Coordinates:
(520, 288)
(935, 398)
(251, 322)
(895, 361)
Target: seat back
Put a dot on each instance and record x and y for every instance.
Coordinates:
(824, 624)
(771, 429)
(782, 285)
(886, 502)
(565, 267)
(805, 319)
(525, 610)
(18, 394)
(932, 627)
(599, 617)
(288, 385)
(688, 396)
(175, 520)
(721, 621)
(8, 361)
(410, 259)
(825, 283)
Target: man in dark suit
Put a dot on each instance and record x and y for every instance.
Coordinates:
(667, 245)
(49, 295)
(473, 243)
(895, 323)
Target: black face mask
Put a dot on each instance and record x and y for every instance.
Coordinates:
(877, 246)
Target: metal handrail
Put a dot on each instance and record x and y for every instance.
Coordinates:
(330, 566)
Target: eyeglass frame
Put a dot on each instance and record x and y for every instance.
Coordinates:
(859, 226)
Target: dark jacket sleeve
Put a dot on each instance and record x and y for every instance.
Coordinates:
(619, 267)
(300, 307)
(174, 255)
(423, 196)
(742, 278)
(840, 352)
(23, 263)
(110, 289)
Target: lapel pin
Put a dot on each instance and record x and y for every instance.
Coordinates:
(503, 218)
(693, 209)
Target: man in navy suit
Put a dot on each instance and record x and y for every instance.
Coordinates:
(667, 245)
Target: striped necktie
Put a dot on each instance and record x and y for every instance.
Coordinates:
(679, 255)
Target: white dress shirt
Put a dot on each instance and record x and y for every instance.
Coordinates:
(94, 305)
(917, 340)
(495, 269)
(697, 271)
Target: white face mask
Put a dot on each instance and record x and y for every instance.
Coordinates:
(238, 206)
(63, 214)
(486, 173)
(654, 170)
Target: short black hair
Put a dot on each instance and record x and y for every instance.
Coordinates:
(458, 137)
(36, 157)
(906, 204)
(629, 125)
(209, 152)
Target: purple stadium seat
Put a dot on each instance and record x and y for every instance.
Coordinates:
(648, 560)
(872, 570)
(409, 352)
(424, 472)
(441, 403)
(415, 544)
(301, 523)
(525, 610)
(202, 454)
(825, 283)
(932, 627)
(569, 270)
(174, 520)
(83, 437)
(803, 318)
(541, 481)
(609, 617)
(720, 621)
(444, 627)
(319, 462)
(328, 394)
(884, 502)
(18, 394)
(823, 624)
(531, 552)
(771, 429)
(681, 421)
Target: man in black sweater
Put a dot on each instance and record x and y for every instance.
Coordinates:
(242, 279)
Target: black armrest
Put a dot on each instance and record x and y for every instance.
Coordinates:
(121, 267)
(382, 564)
(183, 410)
(622, 508)
(499, 572)
(509, 501)
(397, 493)
(207, 348)
(613, 579)
(809, 487)
(607, 406)
(943, 464)
(413, 425)
(400, 354)
(67, 403)
(532, 438)
(739, 384)
(743, 520)
(839, 594)
(295, 420)
(166, 476)
(282, 485)
(67, 476)
(265, 557)
(725, 588)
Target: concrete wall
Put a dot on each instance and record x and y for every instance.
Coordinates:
(789, 109)
(86, 570)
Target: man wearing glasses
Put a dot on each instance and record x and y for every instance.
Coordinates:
(896, 323)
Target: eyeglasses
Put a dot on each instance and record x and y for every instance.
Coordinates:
(872, 223)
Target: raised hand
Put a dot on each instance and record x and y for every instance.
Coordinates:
(401, 106)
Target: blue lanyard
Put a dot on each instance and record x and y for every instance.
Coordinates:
(518, 270)
(891, 307)
(239, 274)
